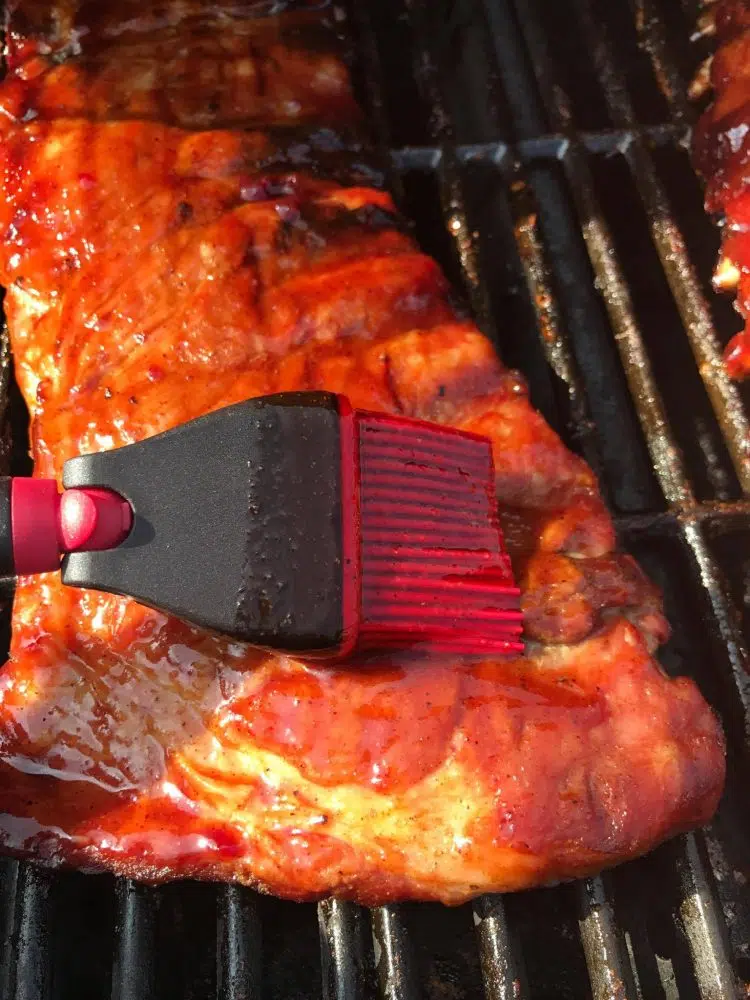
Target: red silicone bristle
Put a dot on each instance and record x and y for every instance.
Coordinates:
(434, 567)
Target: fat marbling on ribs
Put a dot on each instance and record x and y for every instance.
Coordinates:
(188, 219)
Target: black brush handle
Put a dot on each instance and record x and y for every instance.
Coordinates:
(236, 522)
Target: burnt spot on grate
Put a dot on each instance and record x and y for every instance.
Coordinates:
(540, 147)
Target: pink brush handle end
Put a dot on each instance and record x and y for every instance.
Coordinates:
(46, 524)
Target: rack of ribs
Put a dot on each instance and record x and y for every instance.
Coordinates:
(721, 151)
(190, 217)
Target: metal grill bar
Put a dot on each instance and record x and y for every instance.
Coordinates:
(449, 179)
(735, 664)
(556, 348)
(342, 958)
(393, 956)
(30, 969)
(653, 38)
(502, 970)
(239, 946)
(703, 922)
(8, 890)
(607, 959)
(133, 970)
(664, 452)
(715, 515)
(541, 147)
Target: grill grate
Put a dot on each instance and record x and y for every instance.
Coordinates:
(542, 153)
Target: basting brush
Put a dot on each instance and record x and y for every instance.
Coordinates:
(291, 522)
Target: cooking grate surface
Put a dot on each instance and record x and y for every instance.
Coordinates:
(541, 152)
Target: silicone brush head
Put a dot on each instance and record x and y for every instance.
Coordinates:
(434, 570)
(290, 522)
